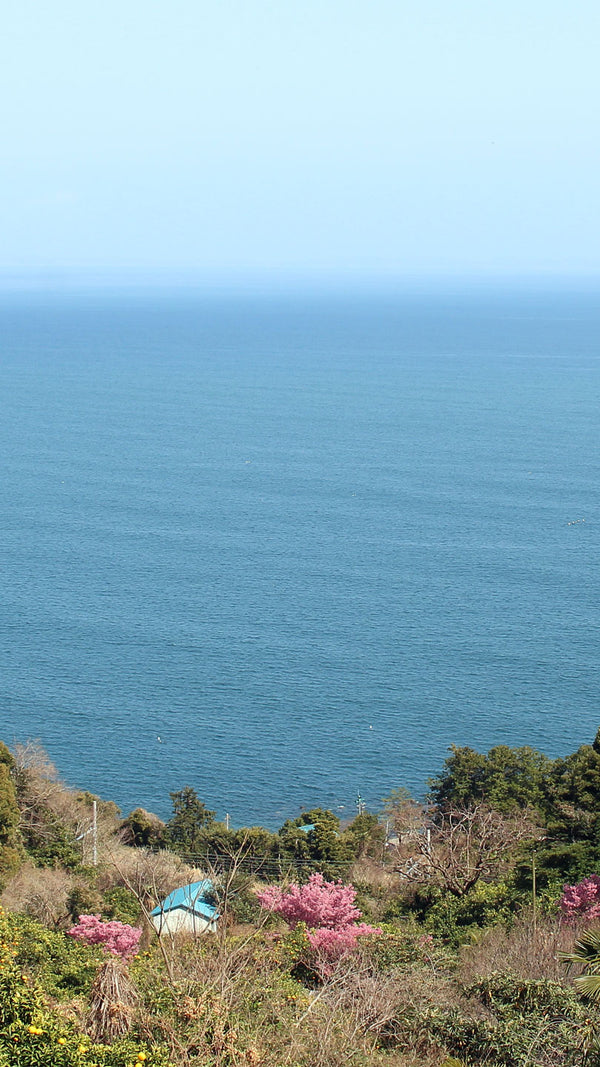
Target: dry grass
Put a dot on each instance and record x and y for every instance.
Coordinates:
(112, 1002)
(373, 873)
(233, 1003)
(151, 876)
(40, 892)
(527, 952)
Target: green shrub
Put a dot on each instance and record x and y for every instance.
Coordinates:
(121, 904)
(64, 966)
(32, 1034)
(83, 899)
(487, 904)
(244, 907)
(11, 853)
(504, 1021)
(501, 991)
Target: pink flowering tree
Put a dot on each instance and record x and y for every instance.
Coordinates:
(120, 939)
(582, 901)
(327, 909)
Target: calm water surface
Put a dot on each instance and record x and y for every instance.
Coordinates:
(307, 544)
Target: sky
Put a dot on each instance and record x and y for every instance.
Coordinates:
(299, 139)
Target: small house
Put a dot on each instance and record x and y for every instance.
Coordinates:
(187, 910)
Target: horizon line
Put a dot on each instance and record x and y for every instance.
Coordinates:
(106, 280)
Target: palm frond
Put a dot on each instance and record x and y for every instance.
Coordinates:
(589, 986)
(586, 952)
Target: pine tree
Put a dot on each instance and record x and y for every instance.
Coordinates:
(184, 831)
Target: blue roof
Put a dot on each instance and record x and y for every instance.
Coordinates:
(189, 898)
(308, 827)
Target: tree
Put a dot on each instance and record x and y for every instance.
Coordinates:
(582, 901)
(576, 782)
(458, 848)
(313, 842)
(365, 835)
(120, 939)
(327, 909)
(183, 832)
(10, 845)
(506, 779)
(142, 829)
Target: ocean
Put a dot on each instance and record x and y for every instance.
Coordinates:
(287, 550)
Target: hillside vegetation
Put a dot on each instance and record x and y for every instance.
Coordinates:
(433, 934)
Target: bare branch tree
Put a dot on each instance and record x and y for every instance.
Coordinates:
(456, 849)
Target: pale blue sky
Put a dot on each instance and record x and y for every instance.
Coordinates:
(284, 139)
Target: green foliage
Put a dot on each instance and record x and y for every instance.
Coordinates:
(321, 848)
(400, 909)
(251, 844)
(244, 907)
(6, 756)
(106, 809)
(556, 863)
(10, 848)
(142, 829)
(487, 904)
(586, 954)
(121, 904)
(32, 1034)
(47, 838)
(365, 836)
(184, 830)
(83, 899)
(63, 965)
(49, 842)
(501, 1020)
(576, 782)
(393, 949)
(501, 991)
(505, 779)
(255, 842)
(209, 1031)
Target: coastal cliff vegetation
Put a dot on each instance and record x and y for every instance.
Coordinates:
(456, 931)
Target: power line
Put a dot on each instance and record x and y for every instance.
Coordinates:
(257, 862)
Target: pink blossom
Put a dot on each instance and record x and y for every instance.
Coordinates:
(318, 903)
(582, 901)
(118, 938)
(338, 942)
(326, 908)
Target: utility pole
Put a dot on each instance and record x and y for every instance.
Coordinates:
(93, 830)
(94, 833)
(533, 893)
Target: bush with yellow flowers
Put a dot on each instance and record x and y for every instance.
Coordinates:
(32, 1034)
(63, 966)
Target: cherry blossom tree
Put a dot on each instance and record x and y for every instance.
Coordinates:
(582, 901)
(119, 939)
(327, 909)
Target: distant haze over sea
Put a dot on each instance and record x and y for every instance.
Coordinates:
(287, 550)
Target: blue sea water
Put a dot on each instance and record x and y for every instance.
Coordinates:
(307, 543)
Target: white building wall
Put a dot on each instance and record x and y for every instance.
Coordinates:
(179, 921)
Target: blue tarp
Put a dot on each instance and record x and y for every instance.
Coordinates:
(190, 898)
